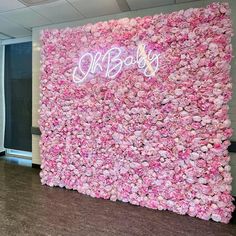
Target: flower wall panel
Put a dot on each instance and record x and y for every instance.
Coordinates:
(137, 110)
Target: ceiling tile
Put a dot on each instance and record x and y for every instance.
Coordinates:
(8, 5)
(93, 8)
(26, 17)
(141, 4)
(123, 5)
(12, 29)
(60, 11)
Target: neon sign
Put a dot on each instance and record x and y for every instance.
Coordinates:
(113, 62)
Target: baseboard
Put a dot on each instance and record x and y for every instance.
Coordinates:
(36, 166)
(35, 130)
(19, 156)
(2, 153)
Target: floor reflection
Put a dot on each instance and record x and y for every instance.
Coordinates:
(16, 161)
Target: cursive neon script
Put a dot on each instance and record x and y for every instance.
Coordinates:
(113, 61)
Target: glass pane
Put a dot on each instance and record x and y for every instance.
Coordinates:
(18, 96)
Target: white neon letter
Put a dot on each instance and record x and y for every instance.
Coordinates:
(146, 62)
(76, 77)
(96, 63)
(115, 59)
(129, 61)
(140, 56)
(152, 66)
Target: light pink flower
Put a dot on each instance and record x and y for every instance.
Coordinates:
(157, 142)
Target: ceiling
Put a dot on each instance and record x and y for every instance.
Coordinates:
(18, 17)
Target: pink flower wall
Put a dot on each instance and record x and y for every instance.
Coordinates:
(141, 124)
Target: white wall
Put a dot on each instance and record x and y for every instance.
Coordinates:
(2, 106)
(152, 11)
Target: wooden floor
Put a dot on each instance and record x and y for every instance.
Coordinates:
(27, 208)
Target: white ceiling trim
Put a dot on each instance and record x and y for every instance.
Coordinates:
(18, 40)
(29, 3)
